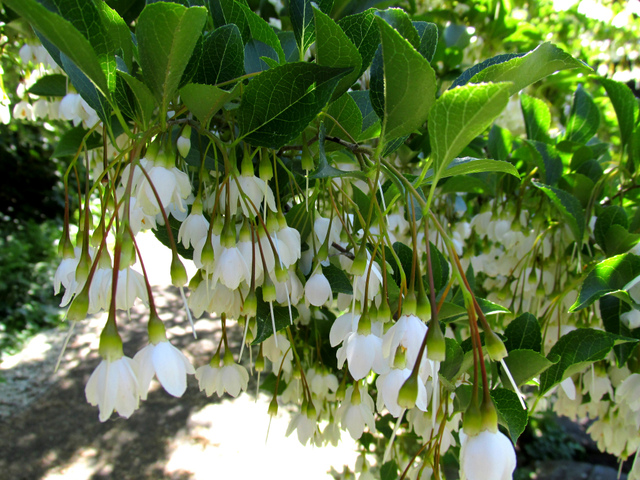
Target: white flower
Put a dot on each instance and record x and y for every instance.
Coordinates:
(631, 318)
(363, 353)
(131, 285)
(231, 378)
(171, 184)
(306, 426)
(287, 243)
(254, 188)
(231, 268)
(486, 456)
(389, 385)
(356, 412)
(167, 363)
(113, 385)
(408, 332)
(193, 229)
(317, 290)
(23, 110)
(629, 392)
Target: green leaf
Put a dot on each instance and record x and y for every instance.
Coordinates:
(409, 84)
(468, 74)
(609, 276)
(584, 118)
(523, 333)
(118, 33)
(389, 471)
(428, 33)
(279, 103)
(467, 165)
(262, 32)
(576, 350)
(510, 412)
(300, 219)
(264, 320)
(526, 364)
(167, 34)
(336, 50)
(206, 100)
(460, 115)
(301, 14)
(499, 143)
(569, 207)
(537, 118)
(71, 142)
(50, 86)
(346, 113)
(222, 57)
(527, 69)
(618, 240)
(625, 104)
(400, 22)
(610, 230)
(453, 360)
(548, 160)
(337, 279)
(610, 310)
(65, 36)
(325, 170)
(145, 102)
(370, 120)
(362, 30)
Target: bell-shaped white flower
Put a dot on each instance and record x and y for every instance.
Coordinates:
(356, 412)
(389, 385)
(408, 332)
(167, 363)
(131, 285)
(23, 111)
(113, 385)
(486, 456)
(305, 424)
(231, 377)
(362, 349)
(317, 290)
(194, 228)
(231, 268)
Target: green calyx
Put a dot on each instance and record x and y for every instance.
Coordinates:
(408, 393)
(179, 276)
(472, 421)
(495, 346)
(436, 345)
(489, 415)
(79, 306)
(156, 329)
(110, 342)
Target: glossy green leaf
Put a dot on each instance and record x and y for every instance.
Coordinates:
(576, 350)
(262, 32)
(611, 231)
(460, 115)
(145, 102)
(625, 105)
(336, 50)
(500, 142)
(65, 36)
(468, 74)
(325, 170)
(54, 85)
(370, 120)
(609, 276)
(301, 14)
(450, 368)
(467, 165)
(118, 33)
(400, 21)
(279, 103)
(205, 100)
(263, 318)
(167, 35)
(338, 280)
(584, 118)
(548, 160)
(409, 84)
(428, 33)
(525, 365)
(610, 310)
(510, 412)
(569, 207)
(222, 57)
(362, 30)
(346, 113)
(527, 69)
(537, 118)
(74, 141)
(523, 332)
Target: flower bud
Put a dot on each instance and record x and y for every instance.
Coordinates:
(409, 304)
(489, 415)
(359, 264)
(408, 392)
(495, 346)
(268, 290)
(265, 169)
(436, 345)
(184, 142)
(307, 160)
(79, 306)
(250, 306)
(472, 421)
(156, 329)
(384, 312)
(179, 276)
(273, 406)
(110, 342)
(259, 364)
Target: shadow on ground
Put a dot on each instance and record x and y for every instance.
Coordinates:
(60, 425)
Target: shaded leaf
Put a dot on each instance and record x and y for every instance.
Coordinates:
(569, 207)
(523, 332)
